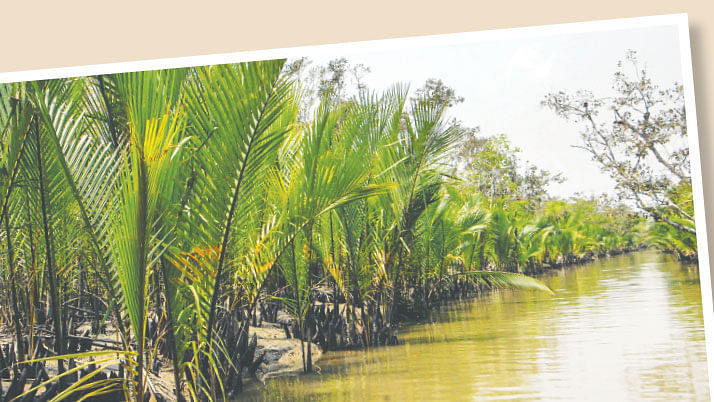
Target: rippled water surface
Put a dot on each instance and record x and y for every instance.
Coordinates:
(624, 328)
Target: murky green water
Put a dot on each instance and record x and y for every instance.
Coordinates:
(624, 328)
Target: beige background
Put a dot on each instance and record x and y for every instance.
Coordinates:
(43, 34)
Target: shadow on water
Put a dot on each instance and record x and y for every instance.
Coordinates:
(623, 328)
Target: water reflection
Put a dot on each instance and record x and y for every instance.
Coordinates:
(626, 328)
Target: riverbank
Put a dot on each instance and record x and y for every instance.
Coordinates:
(278, 352)
(274, 335)
(275, 355)
(530, 346)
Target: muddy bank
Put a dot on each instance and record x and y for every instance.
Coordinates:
(275, 354)
(280, 354)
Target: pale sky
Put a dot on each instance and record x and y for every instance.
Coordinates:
(504, 81)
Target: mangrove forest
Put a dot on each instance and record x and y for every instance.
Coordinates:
(159, 229)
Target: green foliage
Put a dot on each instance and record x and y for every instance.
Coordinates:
(183, 199)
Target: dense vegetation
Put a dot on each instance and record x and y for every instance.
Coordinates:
(175, 207)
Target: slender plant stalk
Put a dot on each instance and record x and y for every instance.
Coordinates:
(170, 334)
(19, 347)
(141, 227)
(49, 260)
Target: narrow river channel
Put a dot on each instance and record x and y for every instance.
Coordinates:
(622, 328)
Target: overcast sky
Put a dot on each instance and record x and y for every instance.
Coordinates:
(504, 81)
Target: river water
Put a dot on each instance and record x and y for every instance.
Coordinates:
(622, 328)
